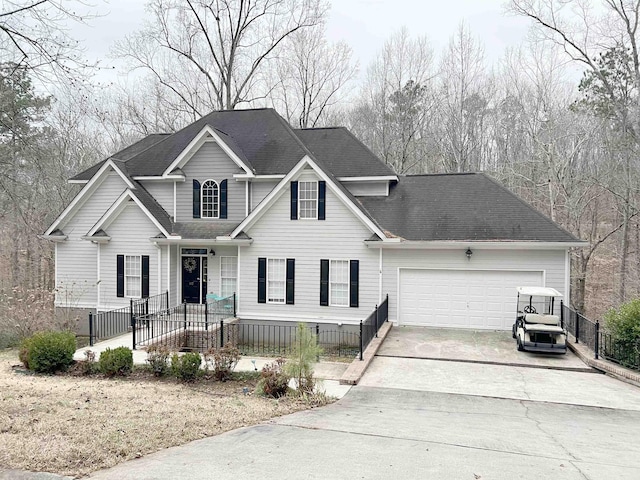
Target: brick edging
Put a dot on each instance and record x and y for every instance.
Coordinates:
(354, 373)
(586, 355)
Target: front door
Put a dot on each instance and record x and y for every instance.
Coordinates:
(191, 279)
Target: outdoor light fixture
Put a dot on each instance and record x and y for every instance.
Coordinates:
(468, 253)
(212, 252)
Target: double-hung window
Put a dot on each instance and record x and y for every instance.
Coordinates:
(228, 275)
(339, 283)
(276, 280)
(132, 276)
(308, 200)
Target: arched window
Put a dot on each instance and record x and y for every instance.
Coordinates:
(210, 200)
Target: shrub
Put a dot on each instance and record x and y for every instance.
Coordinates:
(186, 367)
(224, 361)
(48, 352)
(88, 365)
(157, 358)
(624, 322)
(305, 351)
(118, 361)
(274, 381)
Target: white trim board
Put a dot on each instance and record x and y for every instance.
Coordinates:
(89, 188)
(206, 134)
(279, 190)
(118, 207)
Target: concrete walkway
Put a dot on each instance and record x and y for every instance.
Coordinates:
(329, 373)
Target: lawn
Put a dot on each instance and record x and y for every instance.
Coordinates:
(76, 425)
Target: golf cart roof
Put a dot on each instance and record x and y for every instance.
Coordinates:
(539, 292)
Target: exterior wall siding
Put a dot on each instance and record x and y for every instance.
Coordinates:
(259, 190)
(130, 233)
(76, 258)
(213, 270)
(210, 162)
(340, 237)
(551, 262)
(162, 192)
(367, 189)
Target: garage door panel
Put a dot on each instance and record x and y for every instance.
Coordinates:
(462, 298)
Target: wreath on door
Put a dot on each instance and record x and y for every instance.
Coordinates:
(190, 264)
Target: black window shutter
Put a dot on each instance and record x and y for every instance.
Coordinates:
(223, 199)
(291, 278)
(324, 282)
(294, 200)
(262, 280)
(196, 199)
(354, 273)
(145, 276)
(322, 194)
(120, 275)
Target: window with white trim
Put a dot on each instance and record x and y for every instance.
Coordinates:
(339, 283)
(308, 200)
(210, 204)
(276, 280)
(228, 276)
(133, 276)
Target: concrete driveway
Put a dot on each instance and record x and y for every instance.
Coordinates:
(497, 347)
(415, 418)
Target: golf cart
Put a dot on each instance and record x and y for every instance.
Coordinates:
(537, 329)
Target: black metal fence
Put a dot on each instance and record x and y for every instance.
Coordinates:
(104, 325)
(370, 326)
(603, 343)
(184, 325)
(183, 332)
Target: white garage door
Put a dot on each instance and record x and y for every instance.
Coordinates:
(482, 299)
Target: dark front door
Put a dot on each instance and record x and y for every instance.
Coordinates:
(191, 284)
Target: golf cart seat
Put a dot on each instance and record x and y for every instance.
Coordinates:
(542, 328)
(543, 319)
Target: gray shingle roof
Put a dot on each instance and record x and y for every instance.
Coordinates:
(151, 204)
(469, 207)
(342, 153)
(205, 229)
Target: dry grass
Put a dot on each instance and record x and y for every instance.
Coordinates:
(75, 425)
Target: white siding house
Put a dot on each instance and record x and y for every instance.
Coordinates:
(316, 229)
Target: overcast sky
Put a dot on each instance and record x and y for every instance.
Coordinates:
(363, 24)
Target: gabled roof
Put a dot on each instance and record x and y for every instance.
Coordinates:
(124, 154)
(460, 207)
(118, 206)
(342, 153)
(341, 192)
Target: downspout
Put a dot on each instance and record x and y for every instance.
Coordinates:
(169, 272)
(159, 267)
(98, 275)
(380, 279)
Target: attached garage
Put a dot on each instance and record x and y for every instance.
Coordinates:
(478, 299)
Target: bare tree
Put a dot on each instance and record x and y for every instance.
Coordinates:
(396, 103)
(466, 95)
(311, 77)
(583, 35)
(209, 54)
(34, 36)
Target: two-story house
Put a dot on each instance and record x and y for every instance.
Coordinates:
(302, 225)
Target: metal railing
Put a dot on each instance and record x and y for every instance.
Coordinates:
(183, 325)
(109, 324)
(104, 325)
(370, 326)
(182, 332)
(603, 343)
